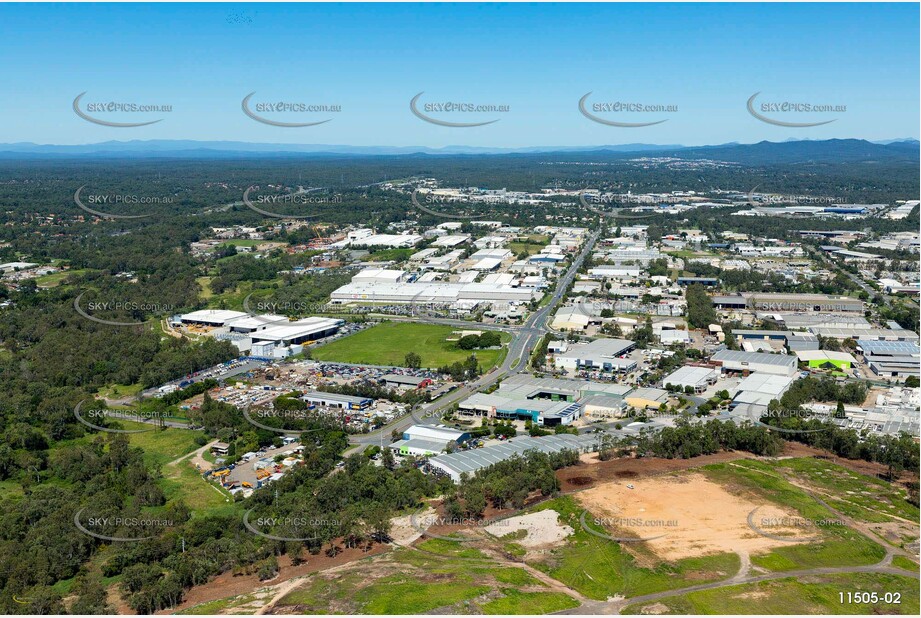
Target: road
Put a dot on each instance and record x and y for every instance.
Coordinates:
(524, 339)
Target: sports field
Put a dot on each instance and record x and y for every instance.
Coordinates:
(388, 344)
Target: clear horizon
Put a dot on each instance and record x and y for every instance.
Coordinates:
(697, 64)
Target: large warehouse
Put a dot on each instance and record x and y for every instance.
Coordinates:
(697, 378)
(431, 292)
(761, 301)
(776, 364)
(603, 354)
(301, 331)
(212, 317)
(470, 462)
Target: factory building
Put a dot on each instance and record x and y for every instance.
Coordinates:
(776, 364)
(214, 318)
(603, 354)
(301, 331)
(819, 303)
(697, 378)
(335, 400)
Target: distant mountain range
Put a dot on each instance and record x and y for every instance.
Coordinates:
(791, 151)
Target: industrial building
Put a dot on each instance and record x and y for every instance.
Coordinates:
(826, 359)
(891, 359)
(426, 440)
(432, 292)
(470, 462)
(697, 378)
(776, 364)
(755, 392)
(398, 380)
(335, 400)
(298, 332)
(820, 303)
(211, 317)
(603, 354)
(254, 323)
(539, 411)
(646, 398)
(865, 333)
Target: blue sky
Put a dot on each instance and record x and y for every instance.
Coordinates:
(538, 59)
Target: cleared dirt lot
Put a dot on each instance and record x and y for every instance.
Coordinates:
(684, 516)
(542, 528)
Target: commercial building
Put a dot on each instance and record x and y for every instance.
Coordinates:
(432, 292)
(538, 411)
(880, 334)
(601, 354)
(470, 462)
(301, 331)
(397, 380)
(697, 378)
(891, 359)
(212, 317)
(393, 241)
(646, 398)
(335, 400)
(705, 281)
(758, 390)
(614, 272)
(776, 364)
(826, 359)
(370, 275)
(254, 323)
(761, 301)
(436, 433)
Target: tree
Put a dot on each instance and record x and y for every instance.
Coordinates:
(700, 307)
(412, 360)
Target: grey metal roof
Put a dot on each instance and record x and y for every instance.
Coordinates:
(781, 360)
(477, 459)
(894, 348)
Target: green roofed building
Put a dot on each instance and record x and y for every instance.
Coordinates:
(826, 359)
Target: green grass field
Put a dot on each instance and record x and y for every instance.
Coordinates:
(388, 343)
(517, 602)
(55, 279)
(411, 582)
(802, 595)
(840, 544)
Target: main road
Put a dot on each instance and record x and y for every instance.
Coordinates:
(516, 360)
